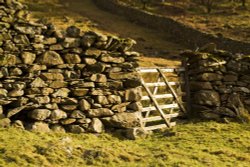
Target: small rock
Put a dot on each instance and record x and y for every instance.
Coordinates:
(57, 128)
(134, 94)
(39, 114)
(96, 126)
(18, 124)
(38, 83)
(84, 105)
(50, 58)
(75, 129)
(72, 58)
(38, 127)
(100, 112)
(67, 121)
(28, 57)
(77, 114)
(98, 78)
(5, 122)
(58, 114)
(73, 31)
(52, 76)
(80, 92)
(63, 92)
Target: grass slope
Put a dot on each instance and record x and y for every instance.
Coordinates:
(193, 144)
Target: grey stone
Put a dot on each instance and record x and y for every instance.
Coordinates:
(15, 111)
(5, 122)
(124, 120)
(206, 97)
(197, 86)
(57, 84)
(100, 112)
(69, 107)
(132, 83)
(8, 60)
(58, 114)
(38, 127)
(16, 93)
(38, 83)
(80, 92)
(134, 94)
(57, 128)
(75, 129)
(84, 105)
(40, 114)
(36, 67)
(230, 78)
(135, 133)
(96, 68)
(96, 126)
(62, 92)
(93, 52)
(41, 99)
(98, 78)
(103, 100)
(50, 41)
(123, 75)
(68, 121)
(72, 58)
(73, 31)
(136, 106)
(50, 58)
(3, 92)
(15, 72)
(71, 42)
(120, 107)
(89, 61)
(52, 76)
(114, 99)
(18, 124)
(112, 59)
(77, 114)
(209, 77)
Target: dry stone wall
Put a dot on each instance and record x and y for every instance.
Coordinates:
(219, 84)
(64, 80)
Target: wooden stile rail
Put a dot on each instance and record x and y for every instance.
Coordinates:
(155, 115)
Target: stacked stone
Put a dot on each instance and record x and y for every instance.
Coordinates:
(64, 80)
(219, 83)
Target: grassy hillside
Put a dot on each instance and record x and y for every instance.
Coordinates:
(156, 50)
(193, 144)
(227, 18)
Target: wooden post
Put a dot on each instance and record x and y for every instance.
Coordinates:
(187, 86)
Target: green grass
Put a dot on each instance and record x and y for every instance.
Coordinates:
(194, 144)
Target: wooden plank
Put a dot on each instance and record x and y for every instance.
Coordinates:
(161, 96)
(167, 106)
(154, 93)
(159, 126)
(154, 70)
(172, 91)
(157, 118)
(156, 104)
(160, 84)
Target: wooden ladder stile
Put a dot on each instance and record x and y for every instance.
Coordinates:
(156, 104)
(164, 110)
(172, 91)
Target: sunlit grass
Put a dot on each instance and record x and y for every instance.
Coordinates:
(194, 144)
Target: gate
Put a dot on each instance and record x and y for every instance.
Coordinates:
(165, 96)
